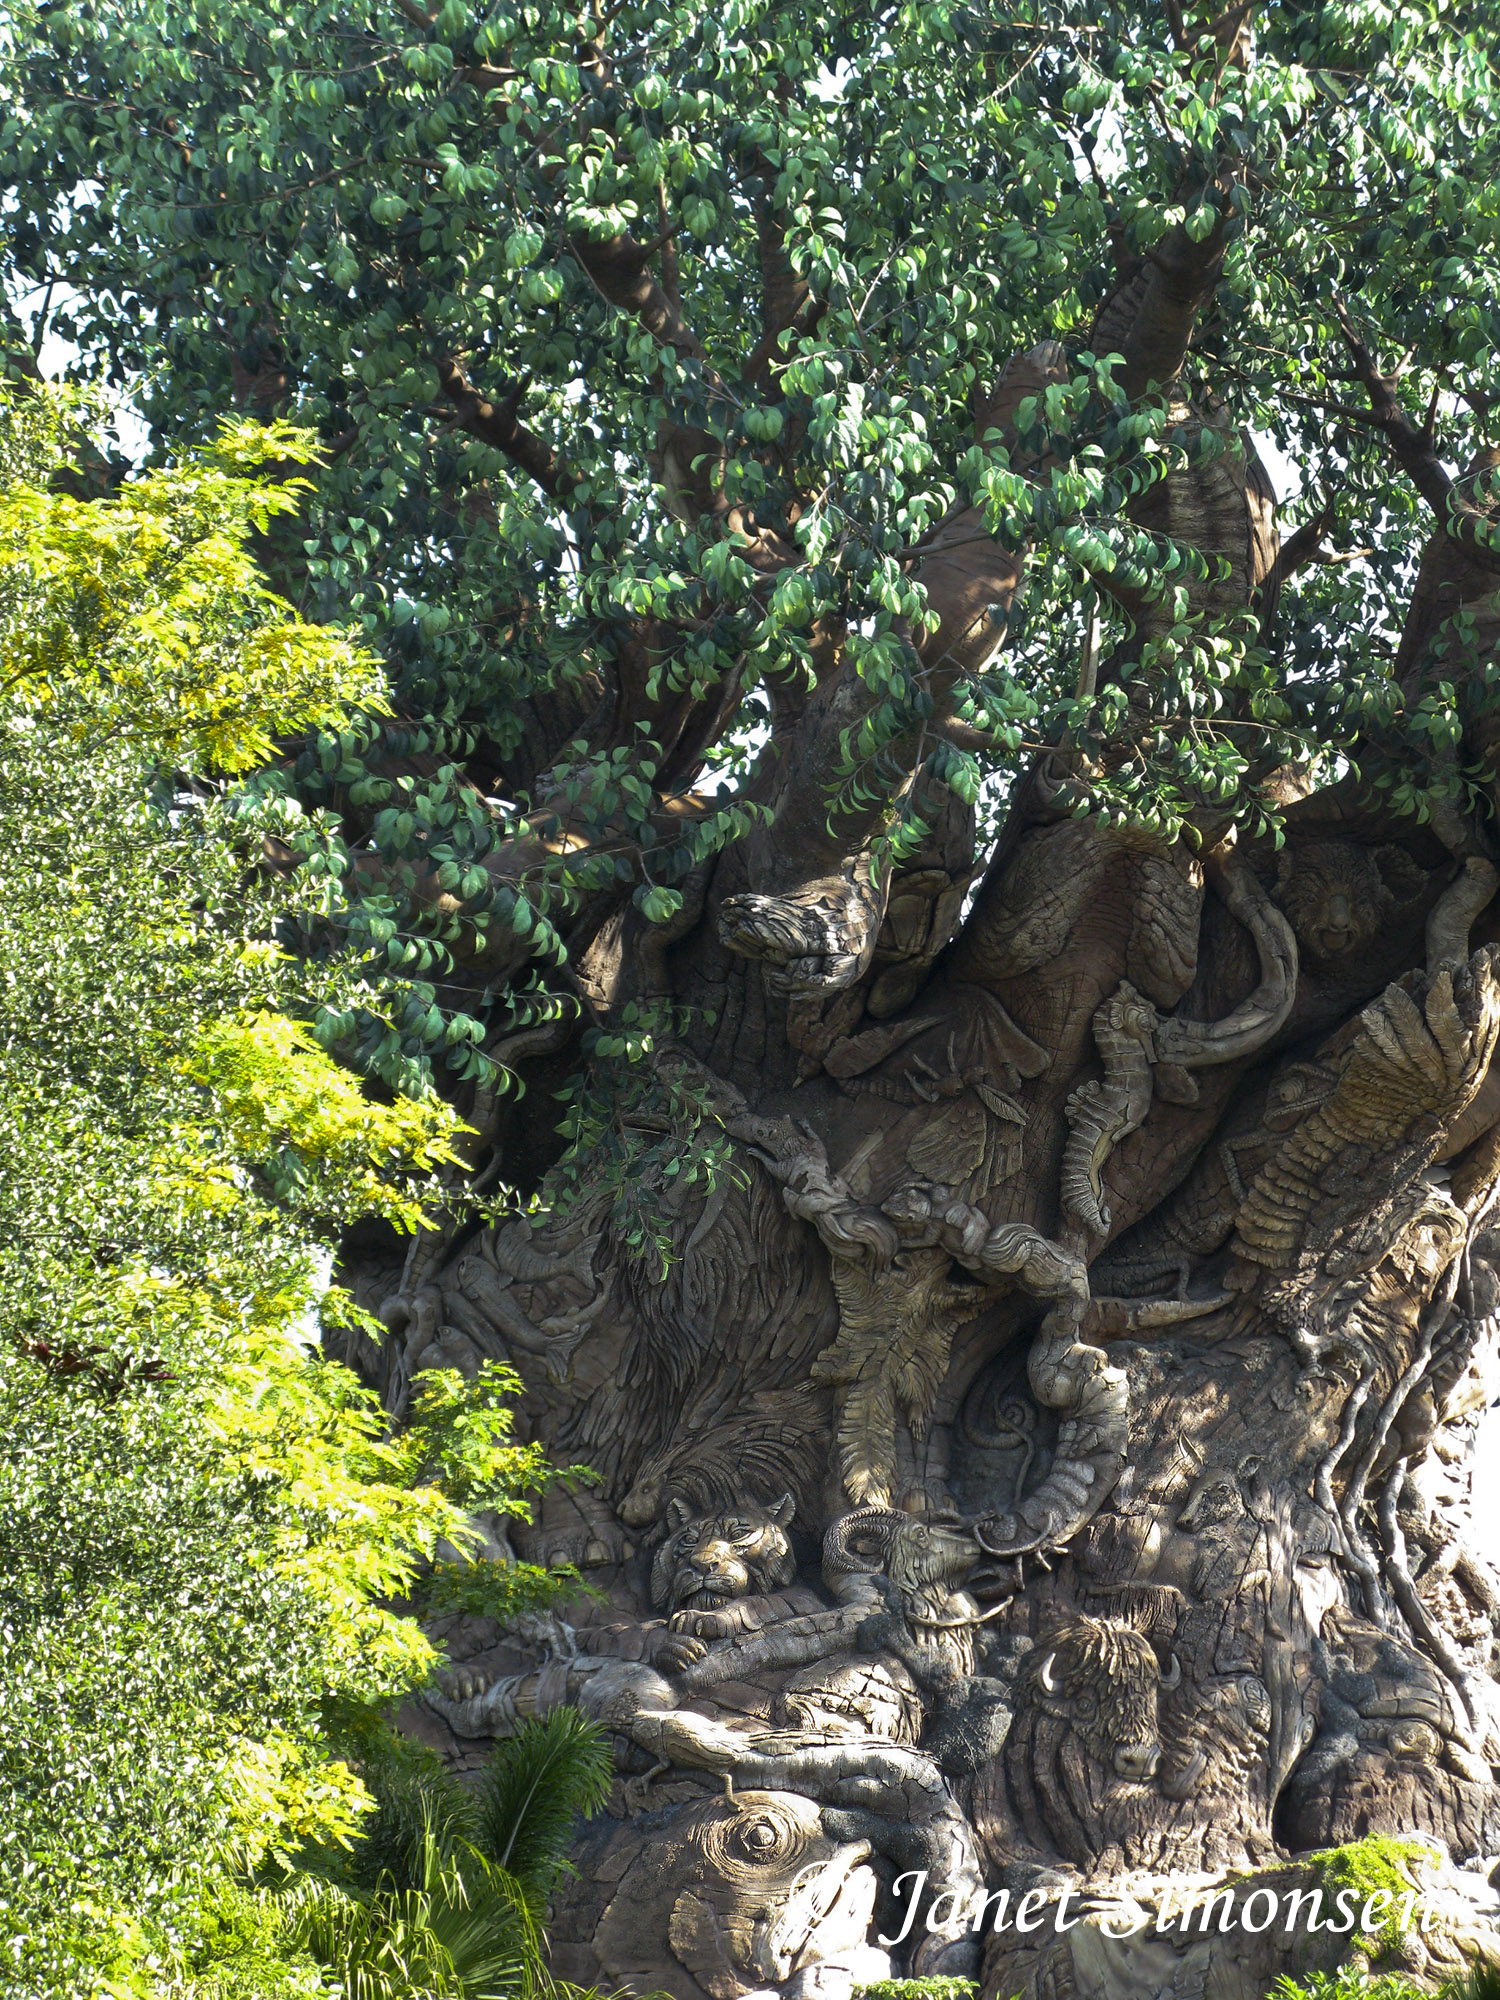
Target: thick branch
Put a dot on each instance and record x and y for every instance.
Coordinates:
(620, 268)
(1150, 320)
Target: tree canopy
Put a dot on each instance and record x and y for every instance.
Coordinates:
(658, 354)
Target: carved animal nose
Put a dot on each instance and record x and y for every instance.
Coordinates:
(1137, 1760)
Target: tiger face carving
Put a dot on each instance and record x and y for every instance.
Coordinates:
(708, 1561)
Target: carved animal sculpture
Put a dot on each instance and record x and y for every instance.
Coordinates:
(853, 1694)
(1390, 1726)
(708, 1563)
(1337, 895)
(745, 1892)
(1086, 1723)
(1216, 1758)
(926, 1564)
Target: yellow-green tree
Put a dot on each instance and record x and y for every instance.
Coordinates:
(202, 1522)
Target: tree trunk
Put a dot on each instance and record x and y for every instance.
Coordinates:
(1046, 1455)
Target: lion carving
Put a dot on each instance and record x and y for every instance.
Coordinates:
(710, 1564)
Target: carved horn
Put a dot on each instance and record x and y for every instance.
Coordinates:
(1044, 1673)
(1173, 1676)
(838, 1558)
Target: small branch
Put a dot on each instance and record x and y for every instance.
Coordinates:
(1415, 449)
(499, 424)
(783, 293)
(1304, 547)
(671, 274)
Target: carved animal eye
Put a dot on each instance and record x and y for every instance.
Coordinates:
(761, 1837)
(742, 1841)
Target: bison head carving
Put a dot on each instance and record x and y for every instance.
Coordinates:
(1085, 1732)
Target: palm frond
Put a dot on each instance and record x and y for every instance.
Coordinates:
(1480, 1982)
(417, 1813)
(539, 1782)
(443, 1895)
(443, 1923)
(484, 1922)
(377, 1947)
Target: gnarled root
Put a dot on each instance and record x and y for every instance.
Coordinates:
(1067, 1373)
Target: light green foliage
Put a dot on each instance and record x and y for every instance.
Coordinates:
(325, 206)
(1354, 1982)
(306, 1124)
(202, 1523)
(1367, 1867)
(141, 612)
(917, 1989)
(1348, 1983)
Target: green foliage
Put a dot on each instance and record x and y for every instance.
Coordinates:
(642, 1127)
(917, 1989)
(445, 1889)
(203, 1524)
(332, 209)
(1480, 1982)
(540, 1779)
(1366, 1868)
(1354, 1982)
(1347, 1983)
(461, 1435)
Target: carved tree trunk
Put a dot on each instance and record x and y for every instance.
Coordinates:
(1109, 1284)
(1046, 1453)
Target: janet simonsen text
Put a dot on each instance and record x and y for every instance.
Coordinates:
(1191, 1911)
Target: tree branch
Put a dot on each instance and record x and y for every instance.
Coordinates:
(1305, 546)
(1150, 319)
(783, 293)
(618, 266)
(499, 425)
(1415, 449)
